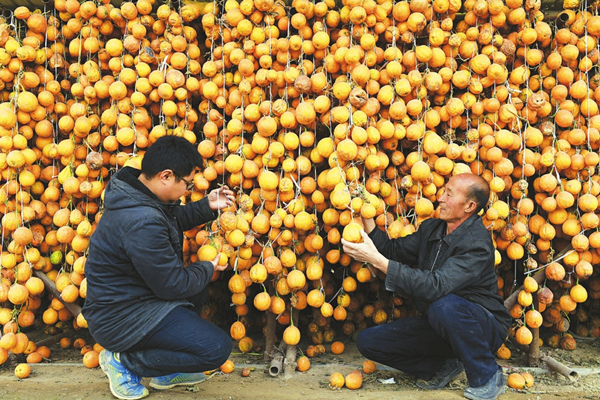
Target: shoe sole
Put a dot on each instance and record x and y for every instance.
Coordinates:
(160, 387)
(471, 397)
(114, 393)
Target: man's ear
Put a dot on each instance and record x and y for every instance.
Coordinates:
(164, 175)
(471, 206)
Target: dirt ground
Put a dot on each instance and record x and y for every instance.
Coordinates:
(66, 378)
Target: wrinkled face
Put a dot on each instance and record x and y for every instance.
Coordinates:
(453, 201)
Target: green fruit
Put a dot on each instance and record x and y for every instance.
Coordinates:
(56, 257)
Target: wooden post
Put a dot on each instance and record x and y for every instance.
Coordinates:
(271, 328)
(53, 339)
(270, 351)
(75, 309)
(289, 363)
(533, 356)
(533, 350)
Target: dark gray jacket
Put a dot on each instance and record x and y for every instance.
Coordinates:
(134, 270)
(461, 263)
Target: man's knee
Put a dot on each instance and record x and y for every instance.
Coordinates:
(216, 349)
(224, 348)
(363, 343)
(444, 309)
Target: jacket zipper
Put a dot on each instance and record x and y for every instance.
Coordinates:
(436, 256)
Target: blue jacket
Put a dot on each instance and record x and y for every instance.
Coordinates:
(135, 273)
(461, 263)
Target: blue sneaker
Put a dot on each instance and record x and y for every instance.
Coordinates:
(177, 379)
(123, 384)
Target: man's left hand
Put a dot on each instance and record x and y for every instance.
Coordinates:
(366, 252)
(220, 198)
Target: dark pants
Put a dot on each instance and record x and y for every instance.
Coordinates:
(419, 345)
(182, 342)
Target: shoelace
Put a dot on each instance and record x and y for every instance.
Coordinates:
(133, 378)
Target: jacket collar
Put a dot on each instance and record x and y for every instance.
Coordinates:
(439, 231)
(130, 176)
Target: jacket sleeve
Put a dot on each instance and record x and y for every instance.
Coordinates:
(158, 264)
(193, 214)
(405, 249)
(458, 271)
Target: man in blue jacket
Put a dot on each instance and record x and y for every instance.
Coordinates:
(462, 320)
(141, 299)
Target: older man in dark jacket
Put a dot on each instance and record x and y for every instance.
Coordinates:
(141, 300)
(462, 319)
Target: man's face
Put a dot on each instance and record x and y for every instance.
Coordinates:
(453, 201)
(176, 186)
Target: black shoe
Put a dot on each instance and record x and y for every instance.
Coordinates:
(449, 370)
(489, 391)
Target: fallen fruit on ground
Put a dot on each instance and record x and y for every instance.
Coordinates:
(22, 371)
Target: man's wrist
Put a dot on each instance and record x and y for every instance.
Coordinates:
(369, 225)
(381, 264)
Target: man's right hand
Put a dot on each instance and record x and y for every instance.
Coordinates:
(215, 263)
(366, 252)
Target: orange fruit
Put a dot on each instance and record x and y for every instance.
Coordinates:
(303, 363)
(90, 359)
(516, 381)
(246, 344)
(65, 343)
(336, 380)
(352, 233)
(528, 379)
(98, 348)
(227, 367)
(369, 367)
(22, 371)
(34, 358)
(354, 380)
(44, 351)
(337, 347)
(86, 349)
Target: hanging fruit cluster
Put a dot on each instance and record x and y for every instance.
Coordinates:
(317, 114)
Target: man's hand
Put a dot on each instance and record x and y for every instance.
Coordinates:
(215, 263)
(369, 224)
(366, 252)
(221, 198)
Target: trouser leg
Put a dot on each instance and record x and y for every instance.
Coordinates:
(182, 342)
(471, 331)
(410, 345)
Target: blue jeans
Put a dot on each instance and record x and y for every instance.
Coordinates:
(182, 342)
(419, 345)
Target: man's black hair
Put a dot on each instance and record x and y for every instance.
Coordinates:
(171, 152)
(479, 191)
